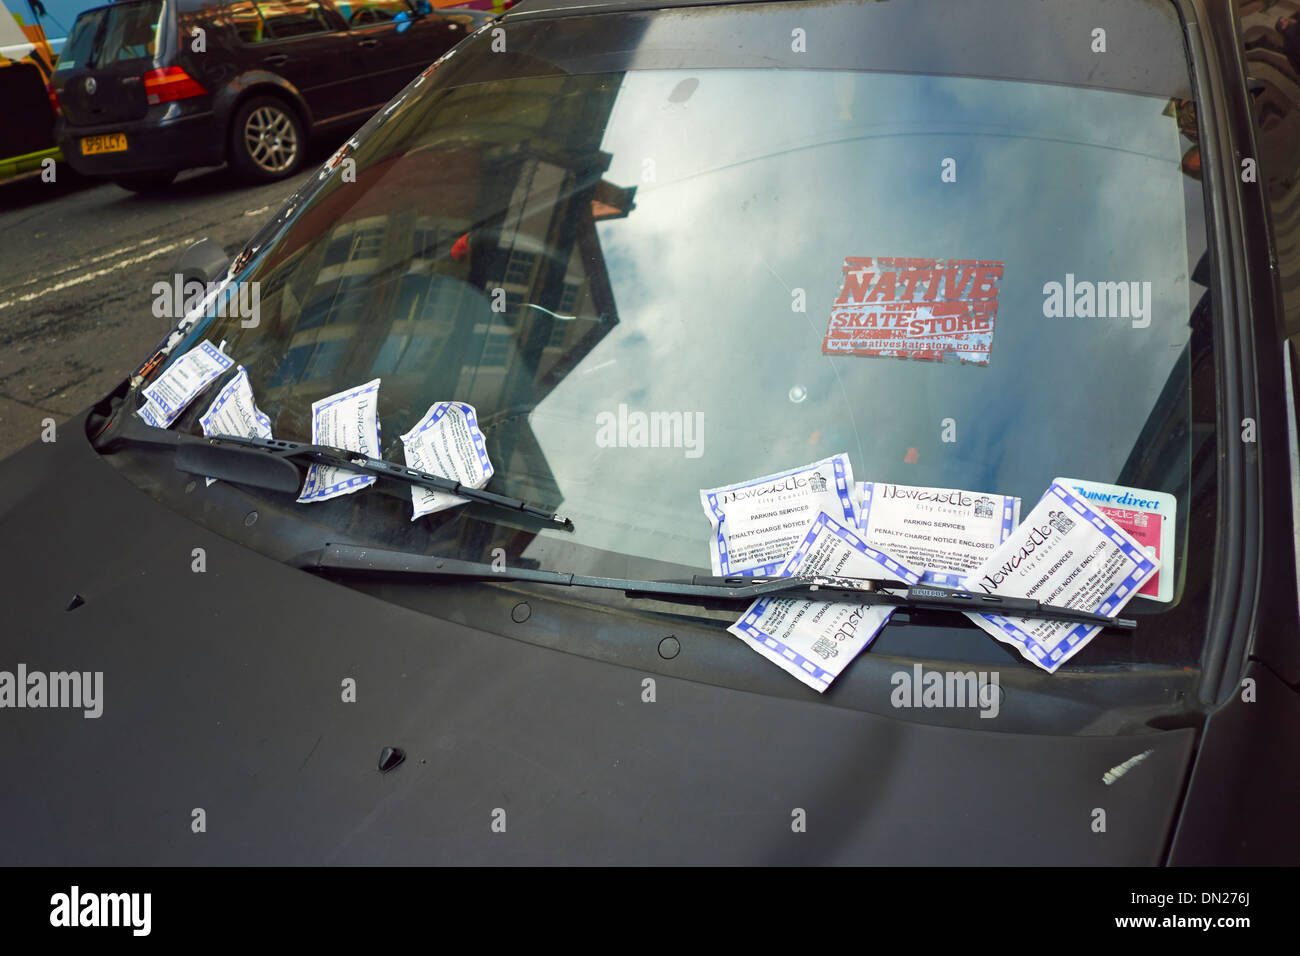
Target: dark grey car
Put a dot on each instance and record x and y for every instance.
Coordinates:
(595, 213)
(147, 88)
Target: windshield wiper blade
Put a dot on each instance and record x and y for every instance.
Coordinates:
(345, 557)
(272, 463)
(931, 597)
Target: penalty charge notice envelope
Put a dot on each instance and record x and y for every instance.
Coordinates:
(945, 531)
(184, 379)
(1068, 554)
(234, 412)
(815, 640)
(348, 420)
(447, 443)
(758, 523)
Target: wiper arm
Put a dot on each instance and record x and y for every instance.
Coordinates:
(271, 463)
(344, 557)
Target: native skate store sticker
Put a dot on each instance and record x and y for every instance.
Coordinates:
(1147, 516)
(347, 420)
(815, 640)
(758, 523)
(915, 308)
(190, 374)
(946, 531)
(1064, 553)
(446, 442)
(234, 412)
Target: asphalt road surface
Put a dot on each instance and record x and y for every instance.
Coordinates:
(78, 261)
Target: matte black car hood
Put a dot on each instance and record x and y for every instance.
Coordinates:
(222, 692)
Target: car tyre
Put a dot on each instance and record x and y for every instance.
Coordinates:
(146, 182)
(267, 140)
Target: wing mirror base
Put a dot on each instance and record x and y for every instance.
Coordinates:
(204, 261)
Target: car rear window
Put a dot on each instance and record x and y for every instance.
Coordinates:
(116, 34)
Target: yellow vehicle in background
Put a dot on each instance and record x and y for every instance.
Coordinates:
(26, 64)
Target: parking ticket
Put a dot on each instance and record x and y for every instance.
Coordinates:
(234, 412)
(446, 442)
(349, 420)
(1068, 554)
(757, 523)
(815, 640)
(945, 531)
(181, 383)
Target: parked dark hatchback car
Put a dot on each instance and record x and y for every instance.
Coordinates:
(146, 88)
(615, 211)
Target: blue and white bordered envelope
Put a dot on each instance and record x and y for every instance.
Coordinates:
(446, 442)
(1068, 554)
(758, 523)
(234, 412)
(184, 379)
(816, 640)
(348, 420)
(946, 532)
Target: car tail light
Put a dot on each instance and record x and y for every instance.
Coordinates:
(54, 100)
(171, 83)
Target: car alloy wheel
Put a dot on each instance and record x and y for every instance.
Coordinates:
(271, 139)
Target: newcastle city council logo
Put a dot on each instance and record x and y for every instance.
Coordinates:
(1060, 521)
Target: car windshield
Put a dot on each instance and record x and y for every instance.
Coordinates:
(651, 276)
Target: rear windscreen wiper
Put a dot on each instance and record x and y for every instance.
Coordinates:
(925, 597)
(273, 463)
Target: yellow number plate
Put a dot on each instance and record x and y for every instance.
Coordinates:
(106, 143)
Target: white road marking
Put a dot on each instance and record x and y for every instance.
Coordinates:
(99, 258)
(87, 276)
(256, 212)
